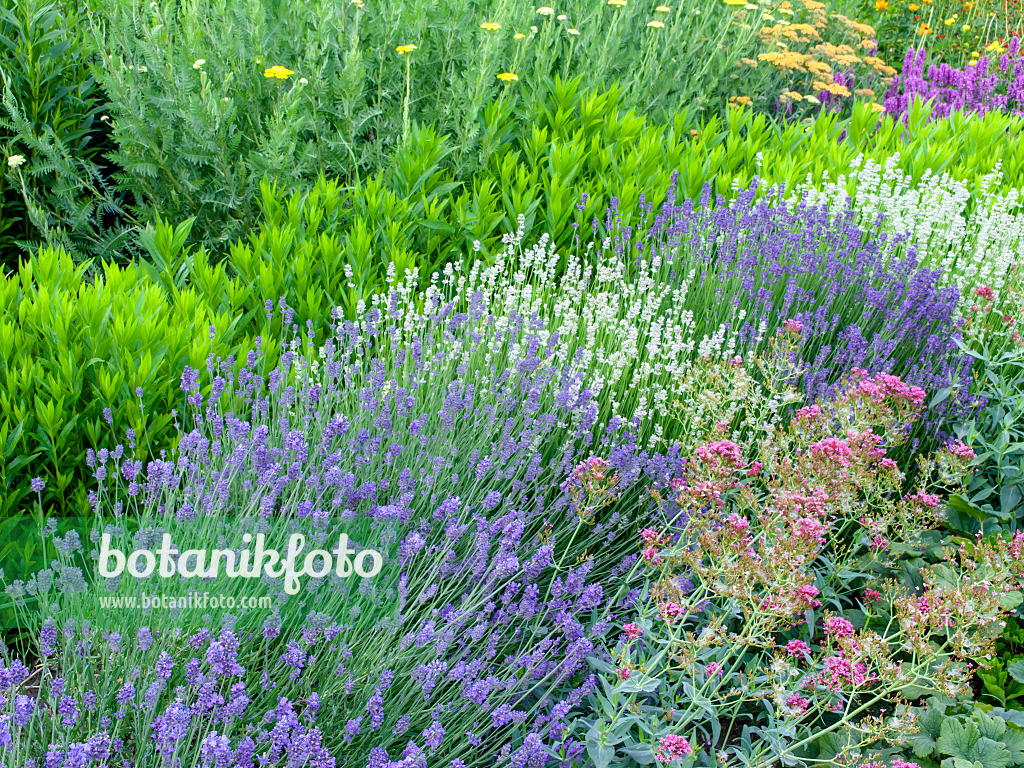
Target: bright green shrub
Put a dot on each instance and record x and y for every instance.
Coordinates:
(70, 348)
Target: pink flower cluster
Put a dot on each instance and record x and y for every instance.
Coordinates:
(797, 702)
(838, 628)
(885, 385)
(723, 452)
(670, 611)
(672, 747)
(961, 450)
(797, 648)
(631, 631)
(833, 451)
(838, 673)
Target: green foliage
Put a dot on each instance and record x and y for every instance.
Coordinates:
(50, 99)
(993, 499)
(69, 349)
(963, 735)
(198, 125)
(1003, 678)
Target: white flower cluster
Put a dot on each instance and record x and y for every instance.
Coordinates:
(974, 239)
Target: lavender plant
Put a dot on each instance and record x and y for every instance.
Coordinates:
(458, 455)
(715, 281)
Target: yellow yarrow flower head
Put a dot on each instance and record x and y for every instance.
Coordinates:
(358, 3)
(572, 31)
(913, 6)
(280, 73)
(490, 26)
(966, 27)
(662, 9)
(404, 49)
(617, 3)
(15, 160)
(518, 36)
(655, 24)
(881, 5)
(198, 63)
(508, 77)
(562, 17)
(546, 11)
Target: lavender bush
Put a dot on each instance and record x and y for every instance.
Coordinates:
(716, 280)
(460, 455)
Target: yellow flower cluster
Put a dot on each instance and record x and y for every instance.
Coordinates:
(786, 59)
(490, 26)
(404, 49)
(879, 66)
(277, 72)
(817, 43)
(798, 33)
(865, 30)
(508, 77)
(834, 88)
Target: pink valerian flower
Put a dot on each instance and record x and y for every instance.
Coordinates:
(798, 702)
(737, 523)
(930, 500)
(808, 413)
(888, 465)
(807, 594)
(837, 627)
(670, 611)
(722, 452)
(797, 648)
(632, 631)
(755, 469)
(840, 672)
(651, 556)
(794, 326)
(713, 668)
(898, 763)
(672, 747)
(623, 673)
(676, 483)
(832, 451)
(648, 535)
(961, 450)
(872, 596)
(811, 529)
(984, 292)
